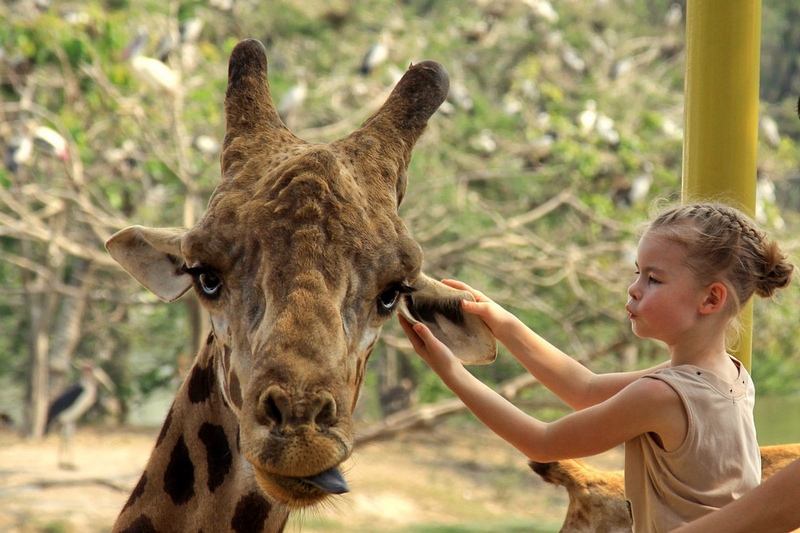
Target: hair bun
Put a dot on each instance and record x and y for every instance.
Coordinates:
(777, 272)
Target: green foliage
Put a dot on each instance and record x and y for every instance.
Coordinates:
(564, 273)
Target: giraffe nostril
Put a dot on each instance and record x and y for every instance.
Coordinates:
(324, 413)
(274, 406)
(277, 410)
(273, 412)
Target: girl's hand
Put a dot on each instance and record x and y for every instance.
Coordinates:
(429, 348)
(490, 312)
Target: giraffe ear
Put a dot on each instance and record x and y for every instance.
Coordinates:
(439, 307)
(153, 257)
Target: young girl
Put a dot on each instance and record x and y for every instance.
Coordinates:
(687, 425)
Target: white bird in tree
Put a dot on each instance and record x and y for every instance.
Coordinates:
(573, 59)
(674, 16)
(590, 120)
(766, 197)
(588, 117)
(377, 54)
(69, 406)
(293, 100)
(640, 186)
(606, 130)
(18, 152)
(154, 73)
(769, 130)
(52, 141)
(460, 97)
(543, 10)
(20, 149)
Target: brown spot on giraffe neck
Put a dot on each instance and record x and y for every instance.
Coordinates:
(179, 474)
(143, 524)
(218, 453)
(251, 513)
(201, 383)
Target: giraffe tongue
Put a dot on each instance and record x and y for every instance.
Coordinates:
(330, 481)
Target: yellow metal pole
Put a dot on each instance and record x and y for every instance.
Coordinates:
(720, 142)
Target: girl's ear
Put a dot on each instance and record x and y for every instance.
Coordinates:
(716, 295)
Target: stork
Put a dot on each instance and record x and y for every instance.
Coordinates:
(69, 406)
(150, 71)
(674, 16)
(377, 54)
(51, 141)
(769, 129)
(20, 149)
(18, 152)
(588, 117)
(293, 100)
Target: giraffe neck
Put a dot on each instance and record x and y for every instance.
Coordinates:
(197, 478)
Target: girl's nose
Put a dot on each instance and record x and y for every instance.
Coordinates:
(632, 291)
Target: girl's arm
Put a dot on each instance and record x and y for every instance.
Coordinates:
(568, 379)
(645, 406)
(772, 507)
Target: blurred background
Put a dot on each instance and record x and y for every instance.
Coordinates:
(562, 130)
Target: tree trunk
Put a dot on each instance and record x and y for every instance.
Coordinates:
(38, 387)
(42, 298)
(67, 329)
(41, 304)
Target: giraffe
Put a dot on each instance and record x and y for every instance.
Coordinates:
(597, 497)
(299, 258)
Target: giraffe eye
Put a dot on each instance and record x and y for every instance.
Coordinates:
(206, 281)
(387, 301)
(209, 283)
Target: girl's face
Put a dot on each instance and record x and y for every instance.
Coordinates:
(664, 301)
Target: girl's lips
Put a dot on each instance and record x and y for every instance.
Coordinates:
(631, 314)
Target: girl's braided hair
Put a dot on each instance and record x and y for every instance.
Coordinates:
(723, 244)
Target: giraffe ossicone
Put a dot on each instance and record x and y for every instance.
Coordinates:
(299, 259)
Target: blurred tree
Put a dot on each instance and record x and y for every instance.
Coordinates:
(506, 190)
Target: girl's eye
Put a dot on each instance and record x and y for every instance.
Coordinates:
(209, 283)
(651, 279)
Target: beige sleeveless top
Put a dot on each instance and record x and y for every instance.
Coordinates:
(718, 462)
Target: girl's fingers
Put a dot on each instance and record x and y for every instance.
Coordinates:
(408, 328)
(476, 308)
(404, 323)
(460, 285)
(422, 333)
(454, 283)
(425, 334)
(418, 334)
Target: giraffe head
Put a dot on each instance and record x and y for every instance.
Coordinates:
(596, 497)
(300, 258)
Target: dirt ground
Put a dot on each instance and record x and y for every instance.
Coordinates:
(448, 476)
